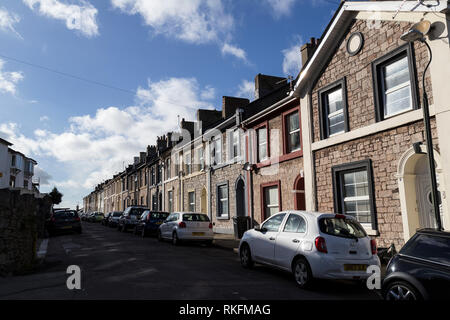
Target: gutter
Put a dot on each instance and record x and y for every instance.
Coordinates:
(272, 108)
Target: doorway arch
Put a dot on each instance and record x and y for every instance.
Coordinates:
(203, 201)
(299, 193)
(414, 191)
(240, 197)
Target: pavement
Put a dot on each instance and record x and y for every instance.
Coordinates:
(116, 265)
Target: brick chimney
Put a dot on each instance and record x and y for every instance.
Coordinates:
(161, 143)
(230, 104)
(207, 117)
(264, 84)
(151, 151)
(142, 156)
(308, 49)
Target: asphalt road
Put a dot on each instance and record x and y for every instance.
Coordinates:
(117, 265)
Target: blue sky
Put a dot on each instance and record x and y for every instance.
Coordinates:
(154, 60)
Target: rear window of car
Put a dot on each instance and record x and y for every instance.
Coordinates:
(433, 248)
(117, 214)
(65, 214)
(345, 228)
(195, 217)
(159, 215)
(136, 211)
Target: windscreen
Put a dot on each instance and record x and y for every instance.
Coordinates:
(345, 228)
(65, 214)
(195, 217)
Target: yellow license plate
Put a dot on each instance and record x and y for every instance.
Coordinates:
(160, 222)
(198, 233)
(355, 267)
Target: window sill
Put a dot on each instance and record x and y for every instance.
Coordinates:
(223, 218)
(280, 159)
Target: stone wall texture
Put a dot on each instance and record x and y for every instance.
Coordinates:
(22, 222)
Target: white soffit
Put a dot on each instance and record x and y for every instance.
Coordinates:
(341, 21)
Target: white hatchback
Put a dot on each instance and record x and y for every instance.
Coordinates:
(311, 245)
(186, 226)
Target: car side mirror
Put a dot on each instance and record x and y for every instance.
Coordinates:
(261, 229)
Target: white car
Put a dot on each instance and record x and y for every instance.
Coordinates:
(311, 245)
(186, 226)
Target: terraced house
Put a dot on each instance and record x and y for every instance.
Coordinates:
(361, 117)
(346, 136)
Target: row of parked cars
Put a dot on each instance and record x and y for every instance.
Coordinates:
(176, 227)
(311, 246)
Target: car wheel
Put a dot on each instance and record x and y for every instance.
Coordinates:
(160, 238)
(143, 233)
(175, 240)
(302, 273)
(401, 291)
(124, 228)
(245, 256)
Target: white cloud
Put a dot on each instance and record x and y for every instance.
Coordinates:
(234, 51)
(8, 20)
(44, 118)
(9, 80)
(80, 16)
(292, 61)
(94, 147)
(246, 90)
(42, 175)
(280, 7)
(194, 21)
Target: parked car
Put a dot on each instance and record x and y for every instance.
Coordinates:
(96, 217)
(186, 226)
(149, 222)
(106, 218)
(130, 217)
(311, 245)
(114, 218)
(64, 220)
(421, 270)
(84, 216)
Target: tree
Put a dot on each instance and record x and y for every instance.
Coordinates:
(56, 196)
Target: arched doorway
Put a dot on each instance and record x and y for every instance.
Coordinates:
(240, 197)
(203, 202)
(299, 194)
(415, 191)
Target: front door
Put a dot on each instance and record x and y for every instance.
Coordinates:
(424, 202)
(264, 244)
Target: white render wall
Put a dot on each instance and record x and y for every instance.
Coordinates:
(4, 166)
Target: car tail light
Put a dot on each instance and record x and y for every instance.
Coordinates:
(339, 216)
(373, 246)
(210, 225)
(182, 225)
(321, 245)
(77, 219)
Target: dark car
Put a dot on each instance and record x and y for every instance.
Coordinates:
(64, 220)
(421, 270)
(106, 218)
(149, 222)
(114, 218)
(130, 217)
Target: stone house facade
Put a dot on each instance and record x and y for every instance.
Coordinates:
(363, 102)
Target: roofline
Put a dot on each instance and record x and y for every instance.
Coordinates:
(277, 105)
(353, 6)
(5, 142)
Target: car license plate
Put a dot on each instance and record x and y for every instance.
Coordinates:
(158, 223)
(198, 233)
(355, 267)
(67, 227)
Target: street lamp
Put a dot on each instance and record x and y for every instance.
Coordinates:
(417, 33)
(250, 168)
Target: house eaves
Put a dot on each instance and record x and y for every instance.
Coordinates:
(339, 25)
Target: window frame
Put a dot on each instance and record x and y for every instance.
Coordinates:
(377, 79)
(189, 200)
(218, 216)
(337, 174)
(213, 144)
(285, 115)
(263, 197)
(323, 107)
(262, 125)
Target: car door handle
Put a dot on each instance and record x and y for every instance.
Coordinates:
(271, 238)
(295, 240)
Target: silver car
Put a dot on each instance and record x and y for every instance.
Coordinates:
(186, 226)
